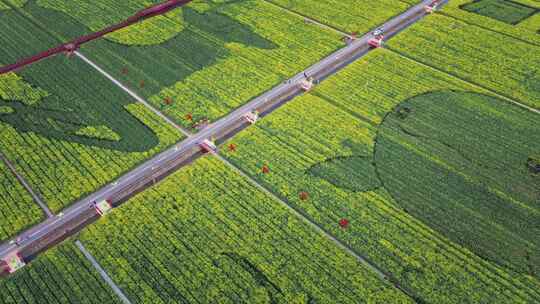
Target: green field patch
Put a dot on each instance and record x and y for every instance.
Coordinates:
(61, 275)
(503, 10)
(347, 15)
(18, 211)
(51, 101)
(97, 15)
(488, 59)
(354, 173)
(228, 53)
(348, 108)
(210, 236)
(63, 113)
(99, 132)
(458, 161)
(17, 3)
(225, 54)
(6, 110)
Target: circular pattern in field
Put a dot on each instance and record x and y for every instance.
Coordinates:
(458, 162)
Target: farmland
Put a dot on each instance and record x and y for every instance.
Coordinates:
(410, 176)
(502, 10)
(347, 15)
(62, 275)
(96, 17)
(512, 72)
(526, 30)
(430, 133)
(307, 154)
(219, 71)
(48, 109)
(17, 210)
(228, 67)
(189, 237)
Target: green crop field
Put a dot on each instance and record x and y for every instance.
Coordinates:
(477, 55)
(410, 176)
(62, 275)
(221, 69)
(220, 55)
(206, 235)
(67, 129)
(527, 30)
(502, 10)
(346, 15)
(17, 209)
(342, 154)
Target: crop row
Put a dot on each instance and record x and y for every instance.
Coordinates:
(17, 209)
(347, 15)
(97, 15)
(16, 3)
(526, 30)
(227, 54)
(62, 275)
(459, 162)
(206, 235)
(306, 149)
(495, 61)
(48, 109)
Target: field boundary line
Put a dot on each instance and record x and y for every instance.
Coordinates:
(102, 273)
(310, 19)
(131, 93)
(37, 199)
(443, 13)
(500, 95)
(379, 272)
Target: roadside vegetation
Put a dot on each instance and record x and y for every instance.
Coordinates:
(306, 145)
(488, 59)
(47, 110)
(17, 209)
(61, 275)
(349, 16)
(207, 235)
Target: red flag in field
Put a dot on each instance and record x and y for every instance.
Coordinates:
(125, 71)
(168, 100)
(344, 223)
(304, 195)
(141, 84)
(189, 117)
(232, 147)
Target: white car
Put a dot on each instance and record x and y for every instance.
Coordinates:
(378, 32)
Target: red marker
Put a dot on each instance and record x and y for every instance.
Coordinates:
(344, 223)
(232, 147)
(304, 195)
(265, 169)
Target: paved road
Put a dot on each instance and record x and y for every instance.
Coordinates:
(319, 71)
